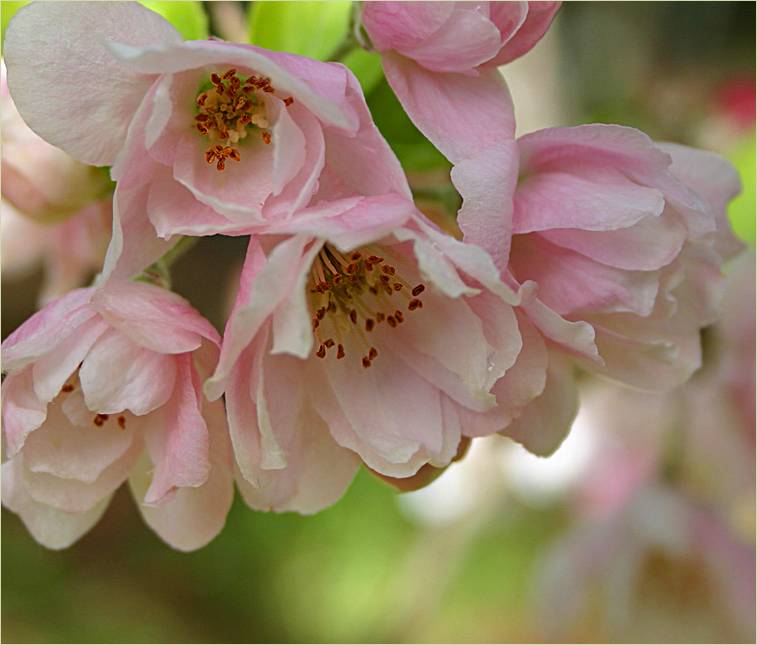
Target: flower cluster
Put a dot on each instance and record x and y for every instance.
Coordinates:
(361, 332)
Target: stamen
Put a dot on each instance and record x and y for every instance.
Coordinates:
(122, 422)
(228, 110)
(348, 296)
(100, 419)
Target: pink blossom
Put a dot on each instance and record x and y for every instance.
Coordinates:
(104, 385)
(629, 236)
(366, 334)
(41, 181)
(70, 251)
(441, 60)
(55, 210)
(204, 137)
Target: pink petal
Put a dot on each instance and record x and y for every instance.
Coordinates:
(238, 192)
(461, 115)
(486, 183)
(309, 82)
(467, 39)
(288, 143)
(173, 210)
(403, 25)
(183, 460)
(360, 163)
(23, 412)
(81, 452)
(650, 244)
(192, 517)
(566, 200)
(396, 431)
(538, 20)
(45, 329)
(52, 370)
(349, 223)
(570, 283)
(51, 527)
(546, 421)
(265, 282)
(119, 375)
(75, 495)
(152, 317)
(299, 190)
(60, 52)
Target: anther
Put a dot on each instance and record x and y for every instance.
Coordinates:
(372, 353)
(100, 419)
(288, 101)
(266, 137)
(339, 351)
(414, 304)
(67, 388)
(122, 422)
(229, 74)
(353, 316)
(392, 321)
(369, 324)
(397, 286)
(366, 362)
(419, 289)
(321, 353)
(329, 343)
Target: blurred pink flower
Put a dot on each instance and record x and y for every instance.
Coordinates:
(102, 386)
(441, 59)
(54, 210)
(367, 334)
(41, 181)
(629, 236)
(204, 136)
(70, 251)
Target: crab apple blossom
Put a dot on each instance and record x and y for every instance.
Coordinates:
(204, 137)
(41, 181)
(629, 236)
(441, 60)
(365, 333)
(104, 386)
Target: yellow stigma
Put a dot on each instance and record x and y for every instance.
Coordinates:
(229, 110)
(352, 294)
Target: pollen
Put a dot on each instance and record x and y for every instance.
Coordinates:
(230, 110)
(351, 295)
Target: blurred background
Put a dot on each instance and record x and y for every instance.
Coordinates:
(640, 528)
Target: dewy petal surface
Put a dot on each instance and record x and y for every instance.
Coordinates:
(59, 52)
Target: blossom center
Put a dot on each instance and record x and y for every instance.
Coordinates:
(352, 294)
(99, 420)
(231, 109)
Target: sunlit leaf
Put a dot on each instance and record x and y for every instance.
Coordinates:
(9, 10)
(366, 66)
(742, 209)
(314, 29)
(189, 18)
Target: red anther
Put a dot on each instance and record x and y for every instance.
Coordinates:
(339, 351)
(370, 324)
(321, 353)
(392, 321)
(210, 155)
(229, 73)
(353, 316)
(366, 362)
(388, 269)
(288, 101)
(215, 79)
(201, 117)
(67, 388)
(372, 353)
(100, 419)
(221, 164)
(329, 343)
(419, 289)
(266, 137)
(355, 256)
(234, 154)
(122, 422)
(399, 317)
(397, 286)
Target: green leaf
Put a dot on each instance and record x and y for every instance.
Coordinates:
(189, 18)
(742, 209)
(314, 29)
(9, 10)
(366, 66)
